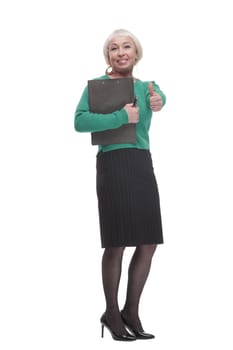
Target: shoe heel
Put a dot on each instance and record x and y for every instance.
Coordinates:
(102, 330)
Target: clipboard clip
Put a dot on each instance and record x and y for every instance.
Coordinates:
(135, 100)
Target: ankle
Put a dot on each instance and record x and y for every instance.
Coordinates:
(129, 313)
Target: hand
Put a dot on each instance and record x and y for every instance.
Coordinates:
(133, 113)
(156, 102)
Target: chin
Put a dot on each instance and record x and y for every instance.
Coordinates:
(125, 70)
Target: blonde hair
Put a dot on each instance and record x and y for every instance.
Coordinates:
(122, 32)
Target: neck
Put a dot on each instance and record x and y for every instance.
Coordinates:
(128, 74)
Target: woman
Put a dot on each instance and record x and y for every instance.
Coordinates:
(128, 198)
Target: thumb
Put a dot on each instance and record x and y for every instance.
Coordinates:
(150, 88)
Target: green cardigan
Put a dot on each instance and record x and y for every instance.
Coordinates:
(85, 121)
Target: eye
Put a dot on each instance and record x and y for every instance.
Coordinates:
(112, 48)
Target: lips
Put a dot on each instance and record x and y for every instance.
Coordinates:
(122, 61)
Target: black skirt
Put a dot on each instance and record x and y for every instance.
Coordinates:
(128, 199)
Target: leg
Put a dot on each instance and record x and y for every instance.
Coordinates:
(111, 273)
(137, 275)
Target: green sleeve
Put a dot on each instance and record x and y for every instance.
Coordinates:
(156, 89)
(86, 121)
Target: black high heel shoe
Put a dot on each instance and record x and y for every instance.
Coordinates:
(122, 337)
(138, 334)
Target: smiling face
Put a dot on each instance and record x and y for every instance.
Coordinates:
(122, 55)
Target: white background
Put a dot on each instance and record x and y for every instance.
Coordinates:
(51, 291)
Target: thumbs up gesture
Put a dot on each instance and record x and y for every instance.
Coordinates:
(156, 102)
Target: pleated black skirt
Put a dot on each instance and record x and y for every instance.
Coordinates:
(128, 199)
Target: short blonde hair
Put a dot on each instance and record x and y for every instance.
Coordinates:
(122, 32)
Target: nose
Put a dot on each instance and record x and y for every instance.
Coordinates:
(121, 51)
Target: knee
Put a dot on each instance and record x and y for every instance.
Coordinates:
(114, 252)
(147, 249)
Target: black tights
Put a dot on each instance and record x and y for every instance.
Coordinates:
(138, 271)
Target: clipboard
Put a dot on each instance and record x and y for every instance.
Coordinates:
(107, 96)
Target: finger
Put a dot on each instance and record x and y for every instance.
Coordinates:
(155, 104)
(150, 88)
(158, 98)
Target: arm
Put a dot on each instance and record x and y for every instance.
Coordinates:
(86, 121)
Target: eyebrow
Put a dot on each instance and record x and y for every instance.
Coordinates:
(125, 42)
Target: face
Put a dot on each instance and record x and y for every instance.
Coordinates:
(122, 54)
